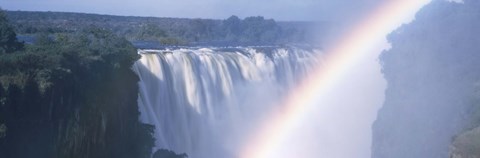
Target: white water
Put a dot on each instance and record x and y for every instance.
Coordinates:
(203, 102)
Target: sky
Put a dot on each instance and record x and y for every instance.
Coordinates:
(283, 10)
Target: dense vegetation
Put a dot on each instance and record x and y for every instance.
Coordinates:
(70, 94)
(163, 153)
(432, 103)
(168, 31)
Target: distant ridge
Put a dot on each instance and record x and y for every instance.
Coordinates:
(170, 31)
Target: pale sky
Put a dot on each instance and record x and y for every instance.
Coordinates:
(217, 9)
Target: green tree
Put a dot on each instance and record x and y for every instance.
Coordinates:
(232, 28)
(63, 98)
(151, 32)
(2, 103)
(32, 99)
(2, 94)
(164, 153)
(233, 25)
(8, 37)
(13, 101)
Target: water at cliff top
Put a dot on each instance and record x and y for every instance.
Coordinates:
(205, 101)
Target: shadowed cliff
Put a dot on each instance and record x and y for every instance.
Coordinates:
(70, 95)
(432, 73)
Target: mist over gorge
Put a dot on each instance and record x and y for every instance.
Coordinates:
(215, 96)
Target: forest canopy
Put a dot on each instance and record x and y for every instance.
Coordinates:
(254, 30)
(59, 96)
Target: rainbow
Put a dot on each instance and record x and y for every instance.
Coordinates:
(347, 51)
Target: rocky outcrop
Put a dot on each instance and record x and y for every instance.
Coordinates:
(466, 145)
(431, 71)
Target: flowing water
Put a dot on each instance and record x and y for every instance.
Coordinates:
(204, 101)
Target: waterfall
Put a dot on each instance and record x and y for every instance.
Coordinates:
(203, 101)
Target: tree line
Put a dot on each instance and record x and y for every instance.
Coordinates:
(254, 30)
(70, 94)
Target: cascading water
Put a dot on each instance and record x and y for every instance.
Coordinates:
(204, 101)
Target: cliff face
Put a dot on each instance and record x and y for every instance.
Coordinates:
(431, 70)
(72, 95)
(466, 145)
